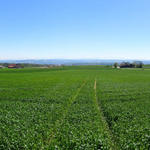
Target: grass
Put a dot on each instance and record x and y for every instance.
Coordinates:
(59, 108)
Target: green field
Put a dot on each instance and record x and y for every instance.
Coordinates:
(75, 108)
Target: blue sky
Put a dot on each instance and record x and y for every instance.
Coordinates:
(74, 29)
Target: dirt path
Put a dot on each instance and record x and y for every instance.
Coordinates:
(95, 86)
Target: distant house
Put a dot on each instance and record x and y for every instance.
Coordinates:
(1, 67)
(118, 67)
(15, 66)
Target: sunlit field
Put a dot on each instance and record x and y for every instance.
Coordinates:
(75, 108)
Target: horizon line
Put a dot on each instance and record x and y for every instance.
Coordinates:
(74, 59)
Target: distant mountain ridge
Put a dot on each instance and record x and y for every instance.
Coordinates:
(71, 61)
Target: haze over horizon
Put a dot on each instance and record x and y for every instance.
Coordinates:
(87, 29)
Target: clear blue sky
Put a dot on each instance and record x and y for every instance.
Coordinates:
(74, 29)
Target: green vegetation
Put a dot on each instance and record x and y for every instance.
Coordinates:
(75, 107)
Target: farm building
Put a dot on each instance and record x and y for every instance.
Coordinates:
(118, 67)
(1, 67)
(15, 66)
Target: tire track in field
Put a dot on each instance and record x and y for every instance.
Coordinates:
(98, 105)
(60, 121)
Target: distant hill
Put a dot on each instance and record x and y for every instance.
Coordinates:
(71, 61)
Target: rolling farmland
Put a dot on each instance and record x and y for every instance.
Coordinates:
(75, 108)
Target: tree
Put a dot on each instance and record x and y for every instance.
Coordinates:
(125, 65)
(115, 65)
(138, 64)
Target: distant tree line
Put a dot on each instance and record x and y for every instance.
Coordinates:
(21, 64)
(28, 65)
(135, 64)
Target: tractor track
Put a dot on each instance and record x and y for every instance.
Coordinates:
(59, 122)
(98, 105)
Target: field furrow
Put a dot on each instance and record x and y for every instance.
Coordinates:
(82, 127)
(63, 113)
(113, 144)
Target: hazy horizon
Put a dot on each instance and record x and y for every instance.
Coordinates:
(75, 59)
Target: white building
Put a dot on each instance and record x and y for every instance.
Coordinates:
(1, 67)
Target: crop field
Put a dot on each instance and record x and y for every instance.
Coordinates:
(75, 108)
